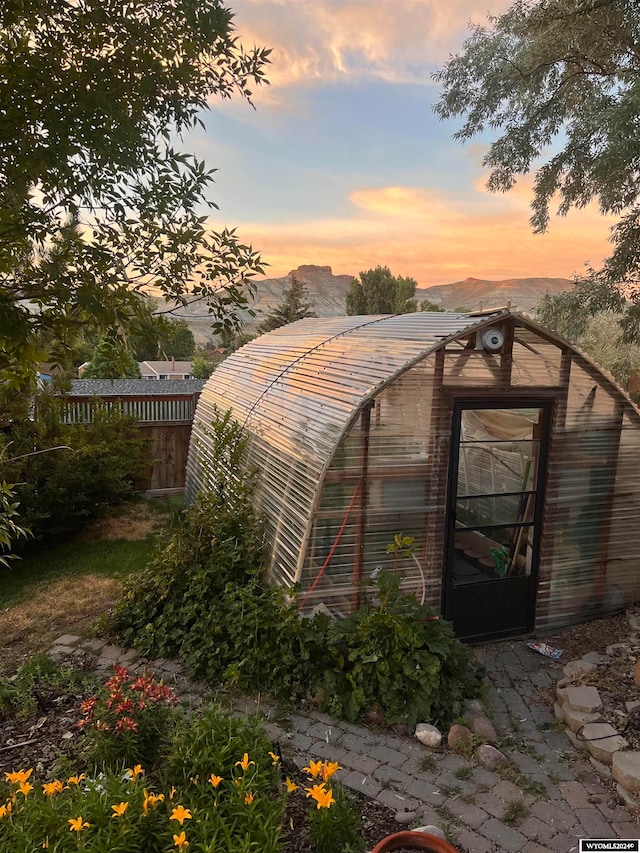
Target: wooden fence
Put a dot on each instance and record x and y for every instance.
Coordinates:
(164, 410)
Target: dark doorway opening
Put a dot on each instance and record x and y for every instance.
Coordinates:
(496, 491)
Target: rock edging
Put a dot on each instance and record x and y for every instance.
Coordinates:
(580, 707)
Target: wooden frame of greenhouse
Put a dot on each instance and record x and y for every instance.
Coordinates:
(507, 454)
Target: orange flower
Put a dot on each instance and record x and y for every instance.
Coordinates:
(50, 788)
(77, 824)
(275, 758)
(75, 780)
(25, 788)
(314, 769)
(329, 768)
(5, 810)
(119, 810)
(215, 780)
(150, 800)
(180, 814)
(135, 771)
(245, 763)
(18, 777)
(249, 798)
(291, 786)
(322, 797)
(180, 840)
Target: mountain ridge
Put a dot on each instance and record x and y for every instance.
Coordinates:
(327, 293)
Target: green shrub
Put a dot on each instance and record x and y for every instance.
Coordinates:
(205, 599)
(400, 656)
(61, 490)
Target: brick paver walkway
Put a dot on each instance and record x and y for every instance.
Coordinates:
(547, 800)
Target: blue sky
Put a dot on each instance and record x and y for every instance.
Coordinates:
(344, 163)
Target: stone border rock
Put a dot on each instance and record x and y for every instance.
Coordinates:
(580, 707)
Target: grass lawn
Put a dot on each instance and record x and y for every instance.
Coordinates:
(63, 589)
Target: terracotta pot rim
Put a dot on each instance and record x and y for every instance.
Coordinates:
(415, 840)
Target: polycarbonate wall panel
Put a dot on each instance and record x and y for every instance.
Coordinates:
(349, 426)
(349, 540)
(295, 391)
(590, 564)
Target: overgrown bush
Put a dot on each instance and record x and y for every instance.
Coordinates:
(205, 599)
(61, 490)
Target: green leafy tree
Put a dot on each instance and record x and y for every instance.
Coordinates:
(112, 360)
(595, 317)
(160, 337)
(96, 203)
(568, 313)
(559, 82)
(426, 305)
(377, 291)
(202, 367)
(294, 306)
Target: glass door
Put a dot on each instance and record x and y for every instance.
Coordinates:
(496, 489)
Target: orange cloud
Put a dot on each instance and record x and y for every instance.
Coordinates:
(435, 238)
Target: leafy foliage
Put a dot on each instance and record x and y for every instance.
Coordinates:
(564, 72)
(596, 317)
(400, 656)
(294, 306)
(96, 203)
(111, 360)
(160, 336)
(69, 474)
(10, 530)
(377, 291)
(205, 599)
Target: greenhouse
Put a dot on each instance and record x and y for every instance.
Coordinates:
(506, 454)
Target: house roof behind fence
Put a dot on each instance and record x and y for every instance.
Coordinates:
(134, 387)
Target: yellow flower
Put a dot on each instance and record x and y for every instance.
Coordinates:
(75, 780)
(275, 758)
(329, 769)
(25, 788)
(180, 840)
(77, 824)
(180, 814)
(322, 797)
(18, 777)
(119, 810)
(291, 786)
(314, 769)
(5, 810)
(215, 780)
(135, 771)
(50, 788)
(245, 763)
(172, 792)
(249, 798)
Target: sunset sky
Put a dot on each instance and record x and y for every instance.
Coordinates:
(343, 161)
